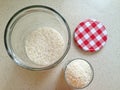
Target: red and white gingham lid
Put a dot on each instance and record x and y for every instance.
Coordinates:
(90, 35)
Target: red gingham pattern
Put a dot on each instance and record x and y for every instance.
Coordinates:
(90, 35)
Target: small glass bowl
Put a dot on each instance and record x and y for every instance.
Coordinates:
(64, 70)
(23, 23)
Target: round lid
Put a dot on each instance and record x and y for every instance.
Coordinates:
(90, 35)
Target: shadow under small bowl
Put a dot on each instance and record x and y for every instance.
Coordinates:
(23, 22)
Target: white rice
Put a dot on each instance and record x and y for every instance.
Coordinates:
(44, 46)
(78, 73)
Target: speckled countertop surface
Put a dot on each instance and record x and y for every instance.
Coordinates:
(106, 62)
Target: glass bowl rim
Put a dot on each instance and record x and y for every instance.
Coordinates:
(8, 48)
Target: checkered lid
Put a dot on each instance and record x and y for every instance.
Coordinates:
(90, 35)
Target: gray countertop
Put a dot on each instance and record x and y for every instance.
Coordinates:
(106, 62)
